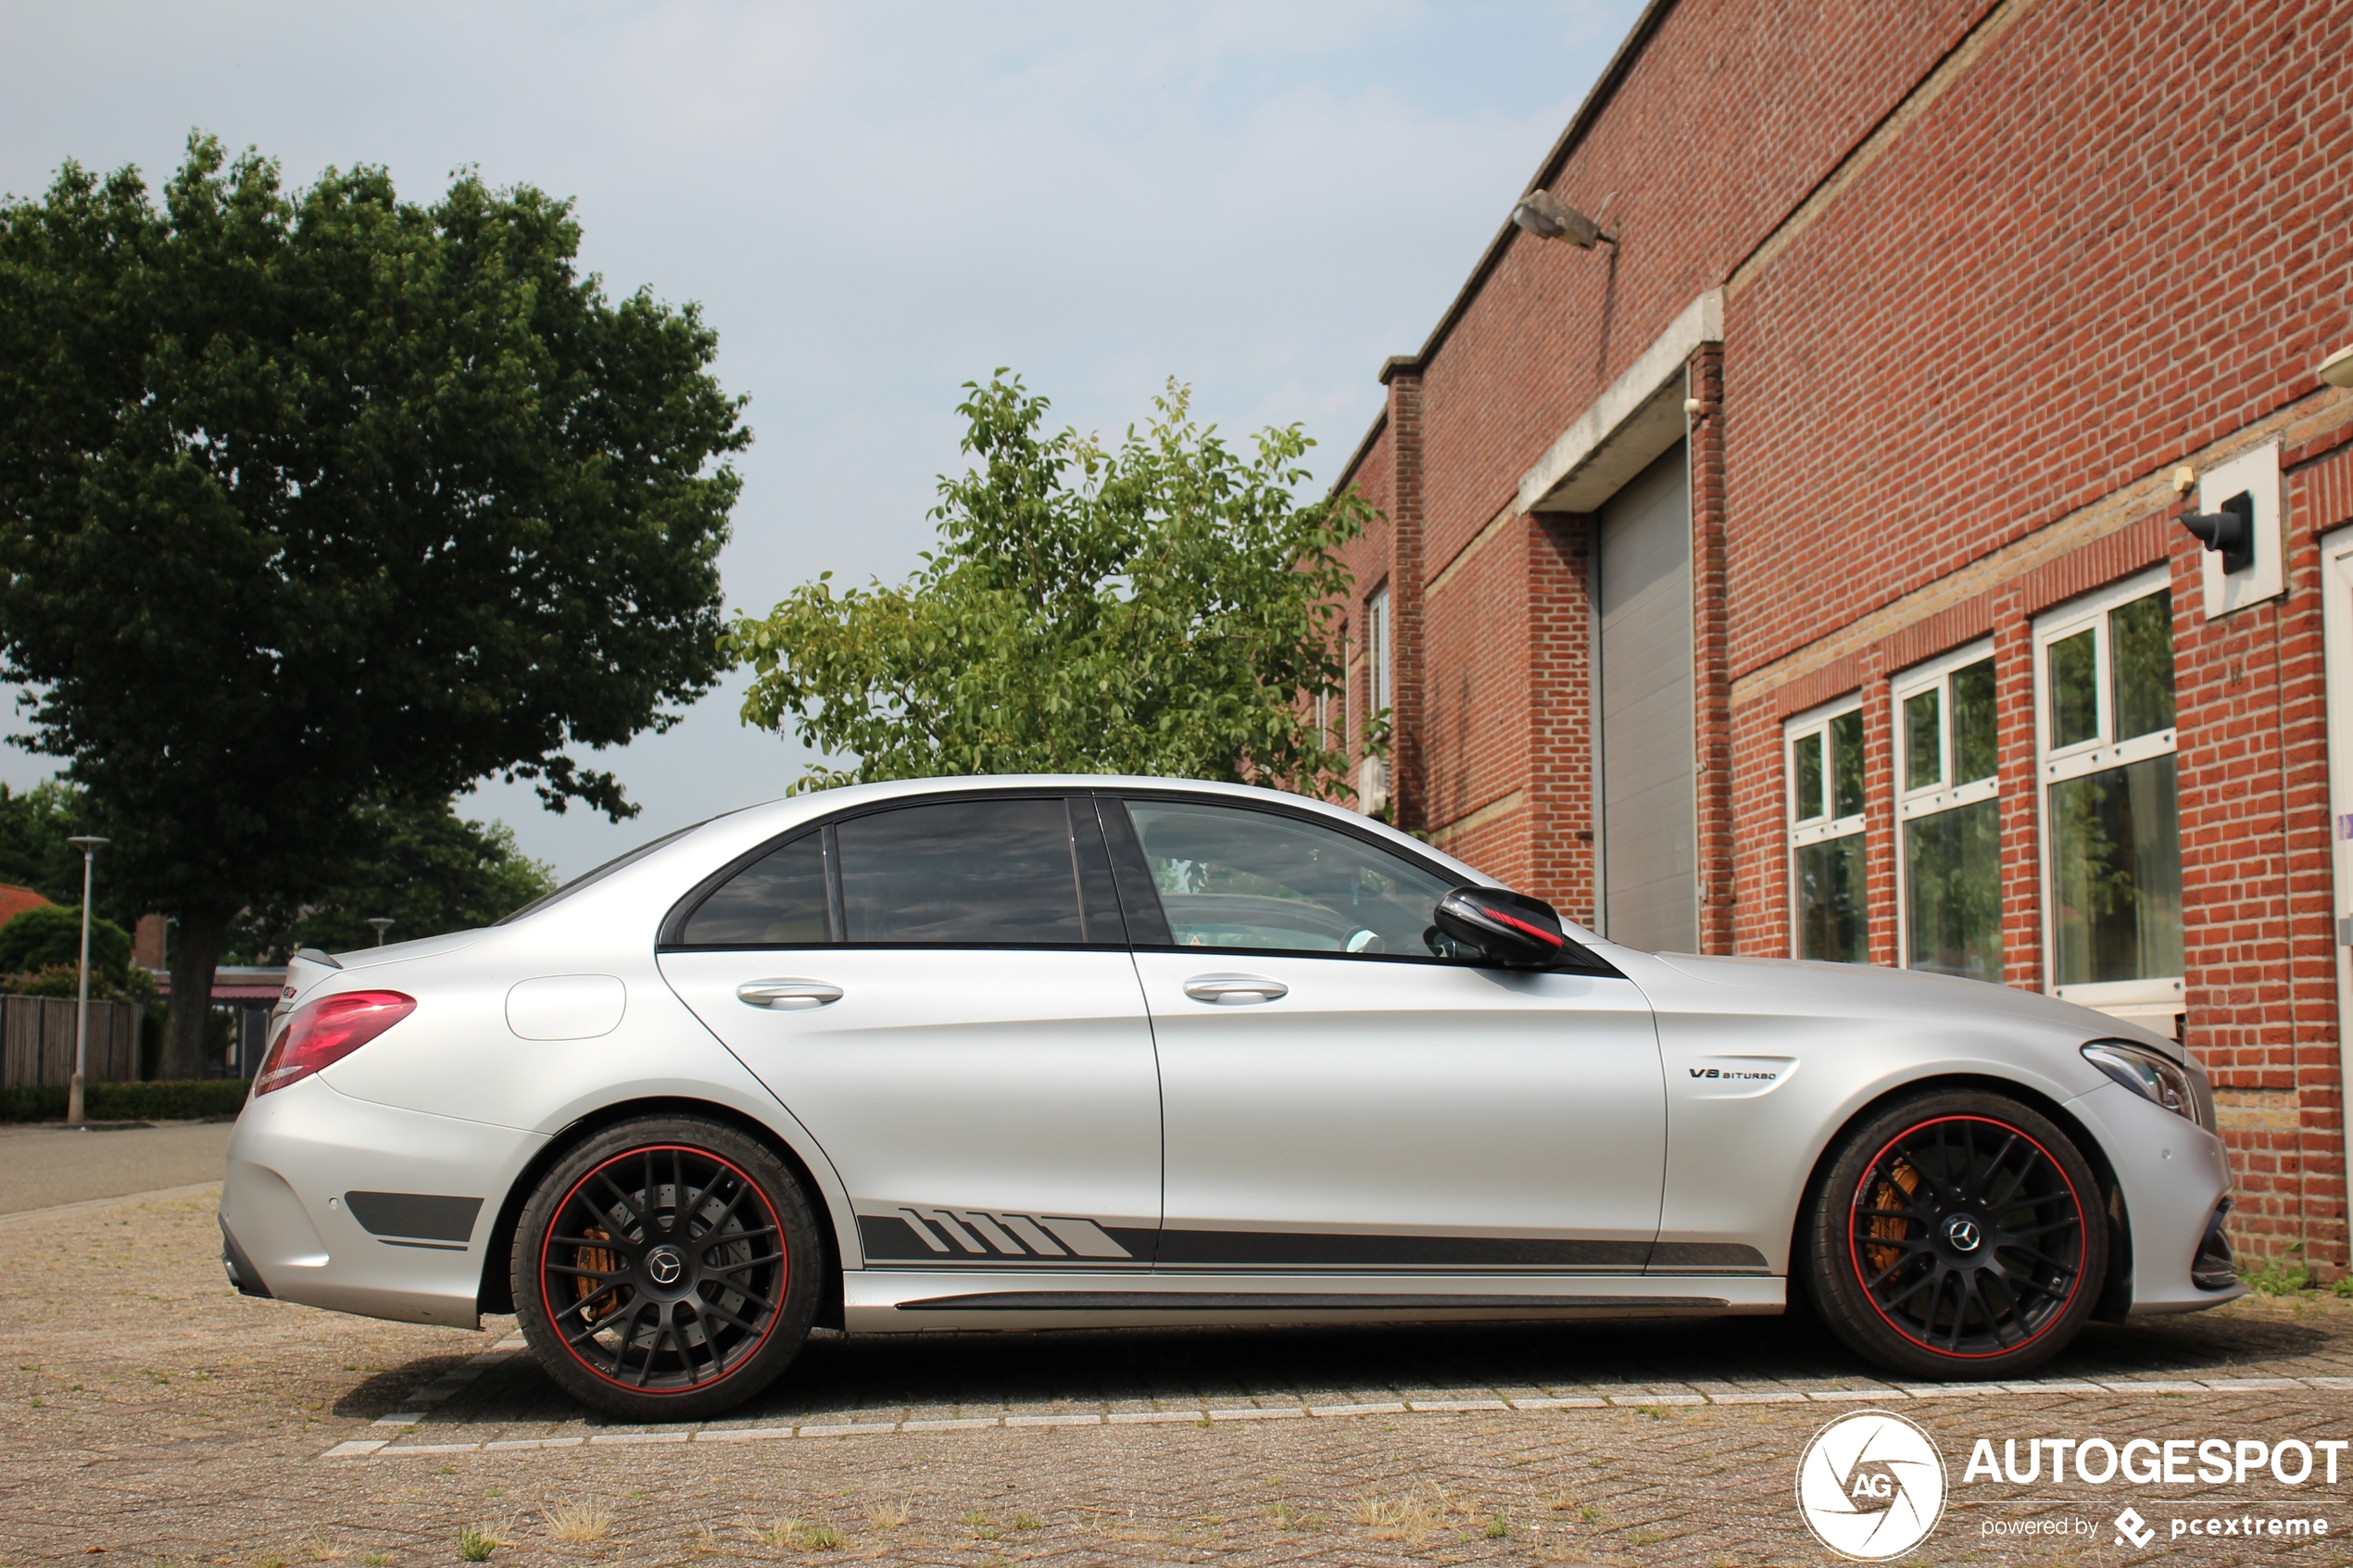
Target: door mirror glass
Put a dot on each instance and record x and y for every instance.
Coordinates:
(1511, 929)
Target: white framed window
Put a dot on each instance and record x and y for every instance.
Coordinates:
(2110, 809)
(1377, 649)
(1822, 767)
(1948, 816)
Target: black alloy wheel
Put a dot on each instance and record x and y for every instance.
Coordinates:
(1958, 1234)
(667, 1268)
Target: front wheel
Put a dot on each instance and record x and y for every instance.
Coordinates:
(667, 1268)
(1957, 1234)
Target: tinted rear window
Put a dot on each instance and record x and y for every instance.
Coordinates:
(994, 872)
(779, 898)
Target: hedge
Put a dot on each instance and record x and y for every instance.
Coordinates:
(185, 1100)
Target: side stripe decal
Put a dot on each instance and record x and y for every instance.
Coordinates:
(981, 1234)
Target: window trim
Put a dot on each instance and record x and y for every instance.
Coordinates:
(1379, 683)
(1934, 799)
(1811, 830)
(1577, 958)
(2154, 998)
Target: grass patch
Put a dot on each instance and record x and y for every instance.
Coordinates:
(579, 1523)
(802, 1535)
(476, 1544)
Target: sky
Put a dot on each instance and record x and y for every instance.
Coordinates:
(876, 202)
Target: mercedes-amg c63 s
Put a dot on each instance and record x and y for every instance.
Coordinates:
(1038, 1052)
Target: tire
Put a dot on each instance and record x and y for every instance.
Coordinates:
(667, 1268)
(1956, 1234)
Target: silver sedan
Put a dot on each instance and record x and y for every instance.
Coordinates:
(1038, 1052)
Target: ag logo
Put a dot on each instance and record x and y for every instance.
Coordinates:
(1870, 1485)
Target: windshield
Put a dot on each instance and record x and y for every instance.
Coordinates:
(584, 878)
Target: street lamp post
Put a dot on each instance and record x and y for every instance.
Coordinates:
(89, 847)
(383, 923)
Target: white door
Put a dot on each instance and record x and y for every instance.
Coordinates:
(1337, 1095)
(941, 993)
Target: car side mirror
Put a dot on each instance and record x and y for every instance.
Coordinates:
(1511, 929)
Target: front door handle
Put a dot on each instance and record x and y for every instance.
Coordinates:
(1234, 990)
(787, 996)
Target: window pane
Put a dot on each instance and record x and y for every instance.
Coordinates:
(2074, 691)
(2140, 652)
(779, 898)
(1231, 877)
(1846, 764)
(1952, 891)
(2116, 848)
(1806, 754)
(994, 872)
(1830, 900)
(1923, 741)
(1973, 751)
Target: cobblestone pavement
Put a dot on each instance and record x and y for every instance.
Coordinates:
(154, 1413)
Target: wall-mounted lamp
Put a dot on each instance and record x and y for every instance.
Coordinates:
(2337, 369)
(2228, 531)
(1547, 216)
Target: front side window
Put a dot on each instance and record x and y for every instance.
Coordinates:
(2111, 819)
(1229, 877)
(1948, 815)
(1824, 767)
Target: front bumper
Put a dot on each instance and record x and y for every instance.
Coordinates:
(286, 1219)
(2176, 1178)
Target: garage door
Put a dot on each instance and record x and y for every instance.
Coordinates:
(1649, 863)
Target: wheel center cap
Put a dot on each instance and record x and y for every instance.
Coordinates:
(664, 1266)
(1961, 1233)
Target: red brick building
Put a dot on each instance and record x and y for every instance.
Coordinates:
(1801, 569)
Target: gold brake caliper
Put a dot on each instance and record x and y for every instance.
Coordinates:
(605, 1262)
(1890, 1227)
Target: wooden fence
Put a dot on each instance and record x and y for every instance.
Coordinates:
(36, 1041)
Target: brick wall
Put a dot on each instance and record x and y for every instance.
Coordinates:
(1990, 268)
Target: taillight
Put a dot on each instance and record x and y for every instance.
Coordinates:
(322, 1033)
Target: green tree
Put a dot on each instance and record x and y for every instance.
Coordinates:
(436, 872)
(315, 497)
(1165, 609)
(36, 828)
(49, 935)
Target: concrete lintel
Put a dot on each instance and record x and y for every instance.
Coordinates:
(1640, 416)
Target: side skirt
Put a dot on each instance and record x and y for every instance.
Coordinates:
(911, 1301)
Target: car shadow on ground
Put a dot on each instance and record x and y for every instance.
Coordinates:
(878, 1376)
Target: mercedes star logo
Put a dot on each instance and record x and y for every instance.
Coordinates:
(1961, 1232)
(664, 1265)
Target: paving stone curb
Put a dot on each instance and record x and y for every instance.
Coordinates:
(450, 1382)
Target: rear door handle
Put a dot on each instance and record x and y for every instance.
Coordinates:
(787, 996)
(1234, 990)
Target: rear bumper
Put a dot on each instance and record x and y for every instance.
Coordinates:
(287, 1213)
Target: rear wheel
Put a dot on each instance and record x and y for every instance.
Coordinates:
(1958, 1234)
(666, 1269)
